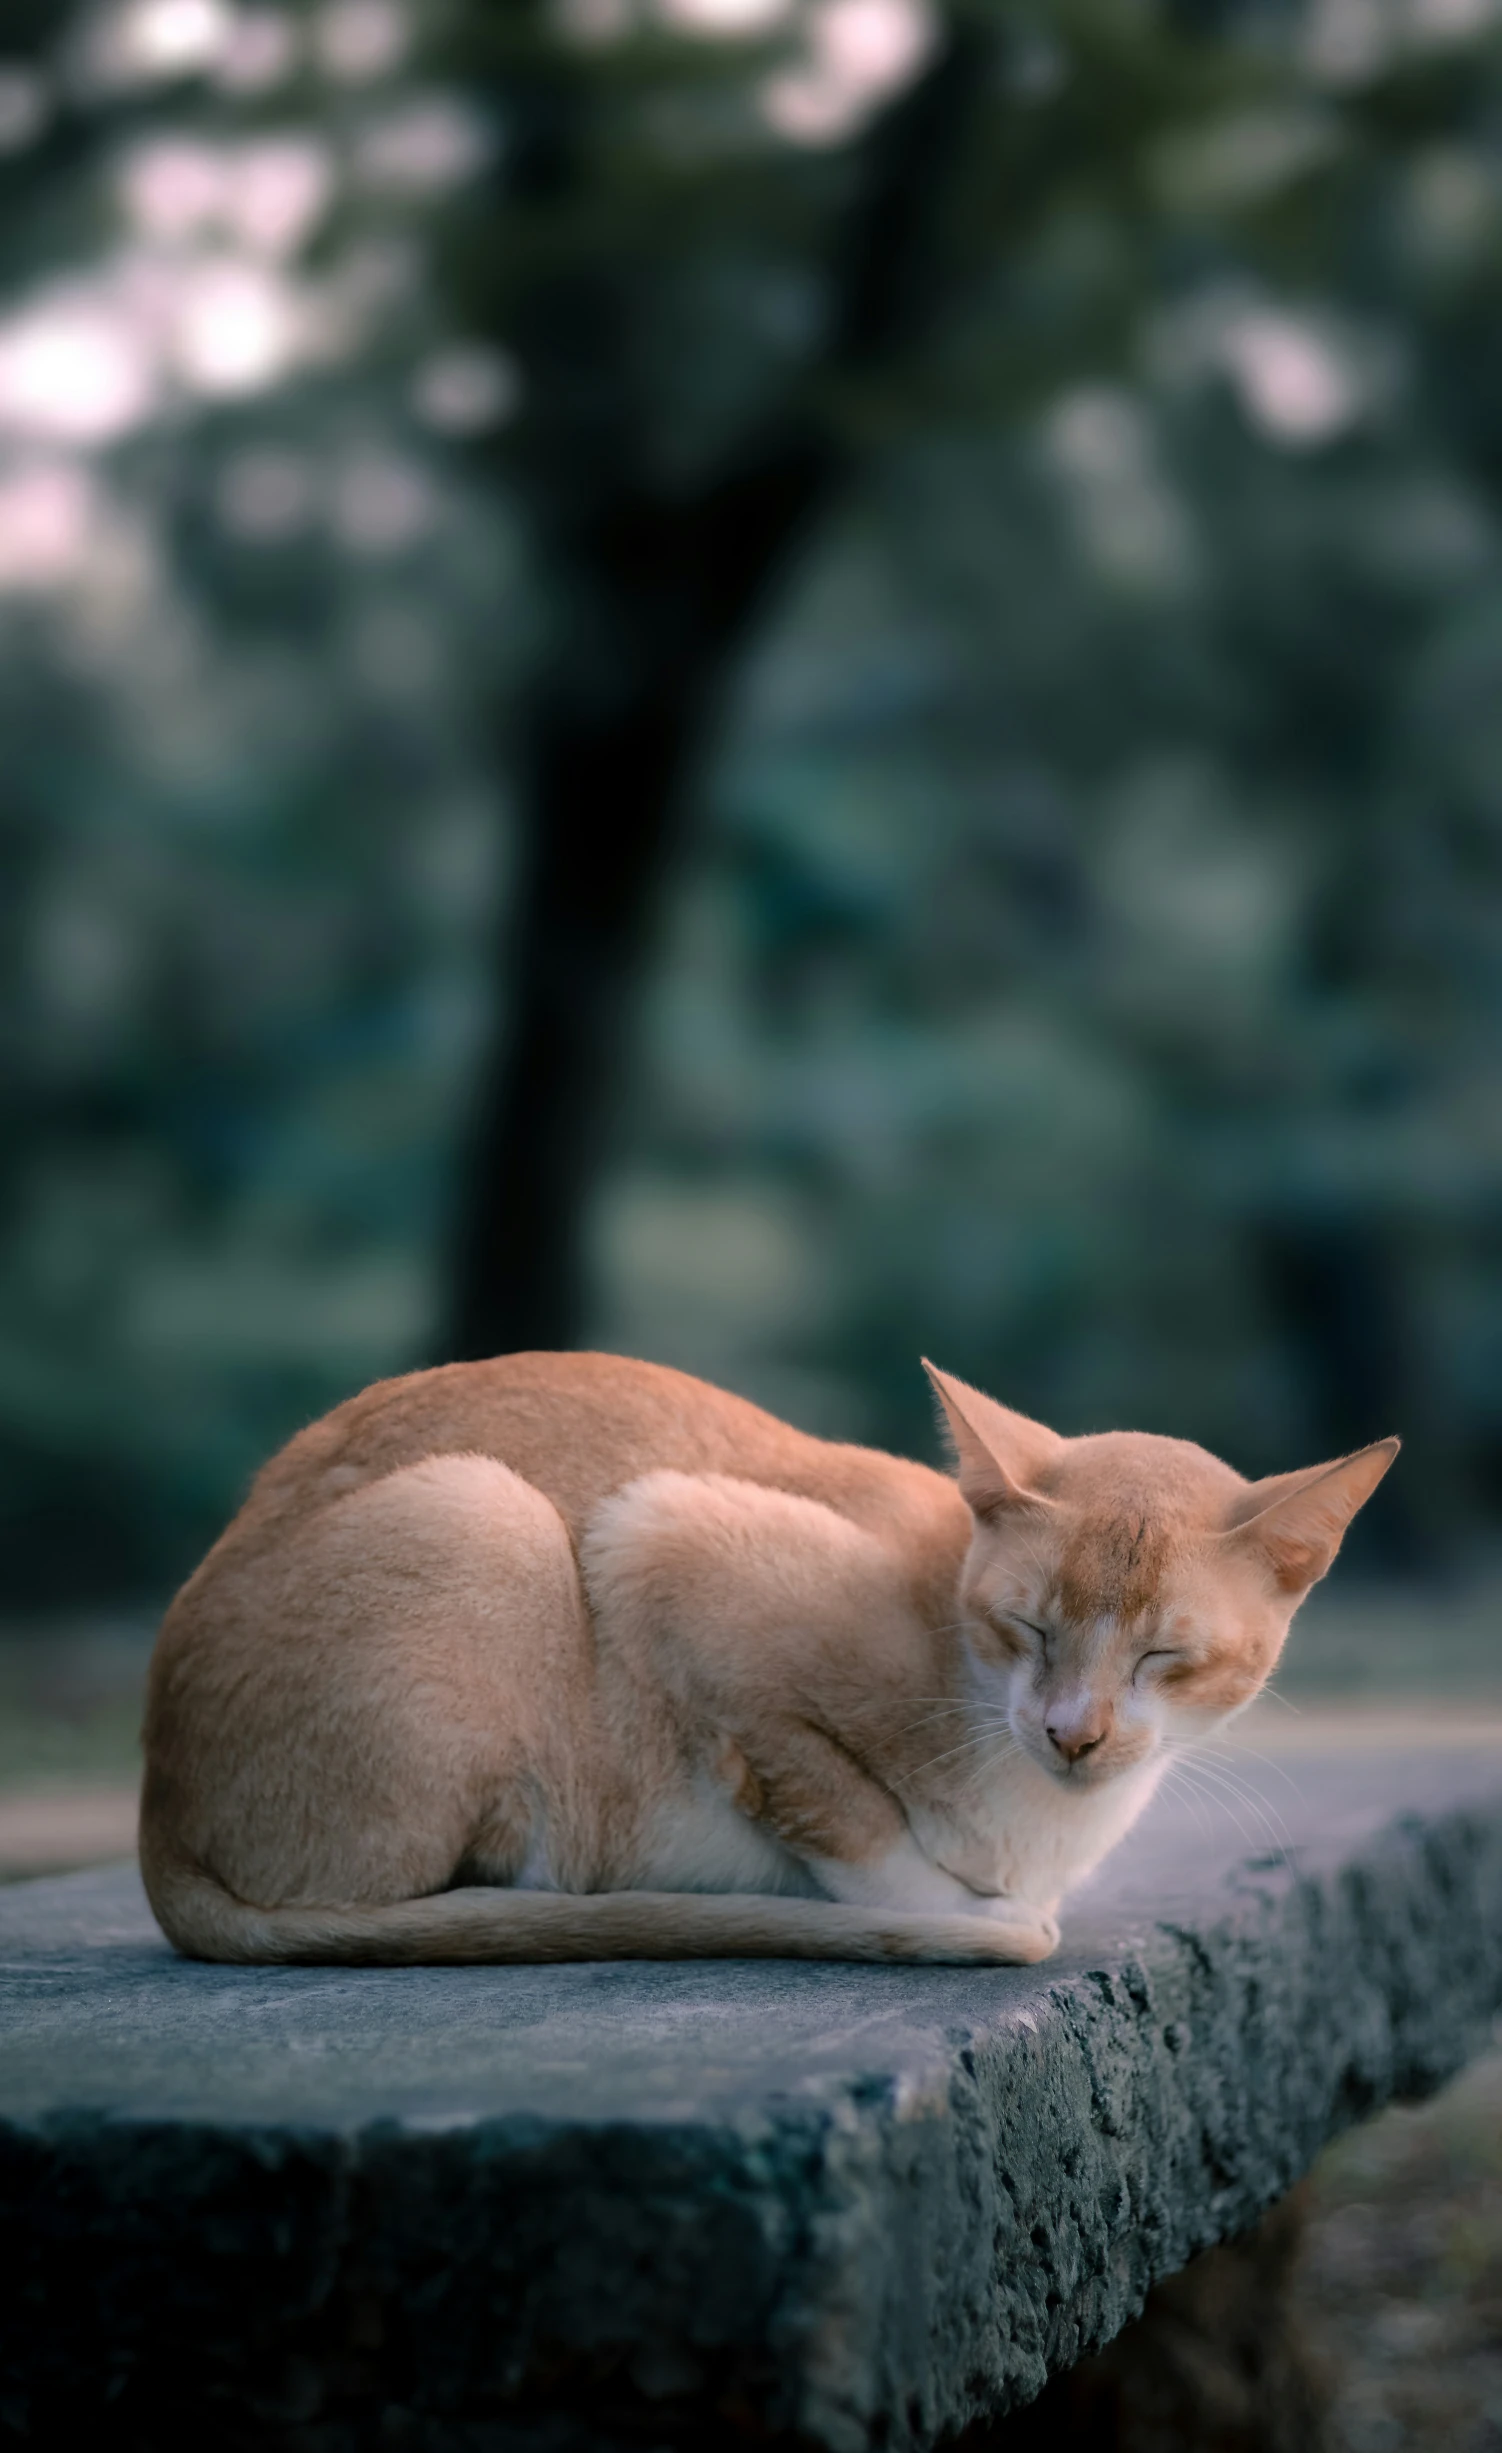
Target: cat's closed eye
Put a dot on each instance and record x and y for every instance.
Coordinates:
(1023, 1634)
(1170, 1661)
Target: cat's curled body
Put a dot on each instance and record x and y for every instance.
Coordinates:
(568, 1656)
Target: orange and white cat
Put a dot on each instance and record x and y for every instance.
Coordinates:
(564, 1656)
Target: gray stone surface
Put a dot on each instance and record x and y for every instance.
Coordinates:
(649, 2205)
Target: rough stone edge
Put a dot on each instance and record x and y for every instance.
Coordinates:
(1178, 2093)
(885, 2269)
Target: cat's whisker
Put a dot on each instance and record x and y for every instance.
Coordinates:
(977, 1741)
(984, 1741)
(1274, 1831)
(962, 1703)
(1221, 1777)
(1211, 1806)
(987, 1717)
(944, 1712)
(1190, 1800)
(1228, 1754)
(986, 1767)
(1226, 1805)
(1195, 1775)
(931, 1762)
(1274, 1695)
(1241, 1799)
(1231, 1772)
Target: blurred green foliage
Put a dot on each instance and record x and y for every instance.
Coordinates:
(1083, 964)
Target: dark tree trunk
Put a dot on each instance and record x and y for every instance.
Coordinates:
(602, 804)
(663, 593)
(613, 736)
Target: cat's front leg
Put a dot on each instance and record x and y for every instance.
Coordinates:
(853, 1839)
(1005, 1908)
(952, 1841)
(903, 1877)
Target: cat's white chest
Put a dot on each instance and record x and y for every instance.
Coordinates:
(698, 1840)
(1048, 1837)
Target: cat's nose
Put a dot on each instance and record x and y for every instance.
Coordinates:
(1073, 1741)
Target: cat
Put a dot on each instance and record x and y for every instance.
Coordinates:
(566, 1656)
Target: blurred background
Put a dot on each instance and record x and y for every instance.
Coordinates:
(776, 683)
(771, 682)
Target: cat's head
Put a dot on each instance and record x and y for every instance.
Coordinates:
(1127, 1592)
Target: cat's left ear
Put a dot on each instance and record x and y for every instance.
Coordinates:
(1294, 1523)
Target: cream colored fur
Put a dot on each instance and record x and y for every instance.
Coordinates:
(566, 1656)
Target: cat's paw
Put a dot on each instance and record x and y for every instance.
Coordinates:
(1034, 1930)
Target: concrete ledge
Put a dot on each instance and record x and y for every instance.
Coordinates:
(603, 2206)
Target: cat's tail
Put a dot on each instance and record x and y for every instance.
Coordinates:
(450, 1928)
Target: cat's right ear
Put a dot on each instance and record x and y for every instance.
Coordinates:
(996, 1451)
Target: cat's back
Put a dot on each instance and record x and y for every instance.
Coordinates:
(580, 1426)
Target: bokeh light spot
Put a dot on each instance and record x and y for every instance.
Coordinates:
(73, 367)
(466, 390)
(860, 53)
(358, 41)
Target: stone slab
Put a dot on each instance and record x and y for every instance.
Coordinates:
(653, 2205)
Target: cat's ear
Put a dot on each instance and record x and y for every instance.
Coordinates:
(1294, 1523)
(997, 1452)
